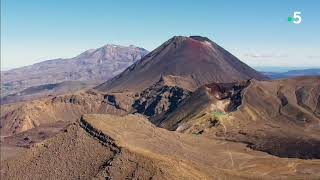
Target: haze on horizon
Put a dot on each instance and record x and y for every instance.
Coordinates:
(256, 32)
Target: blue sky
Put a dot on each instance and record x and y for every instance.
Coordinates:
(257, 32)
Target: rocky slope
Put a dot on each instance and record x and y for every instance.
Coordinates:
(195, 57)
(19, 117)
(129, 147)
(218, 110)
(163, 96)
(280, 117)
(94, 65)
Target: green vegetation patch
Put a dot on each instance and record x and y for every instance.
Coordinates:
(218, 113)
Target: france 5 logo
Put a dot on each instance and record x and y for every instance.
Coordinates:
(296, 19)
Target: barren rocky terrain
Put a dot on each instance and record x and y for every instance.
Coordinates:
(280, 117)
(187, 110)
(129, 147)
(19, 117)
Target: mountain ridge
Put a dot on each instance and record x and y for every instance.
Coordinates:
(293, 73)
(93, 65)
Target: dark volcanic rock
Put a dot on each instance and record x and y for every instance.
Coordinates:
(160, 97)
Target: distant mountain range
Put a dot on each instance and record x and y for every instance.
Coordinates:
(293, 73)
(99, 65)
(93, 65)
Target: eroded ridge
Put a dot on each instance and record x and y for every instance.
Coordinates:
(104, 140)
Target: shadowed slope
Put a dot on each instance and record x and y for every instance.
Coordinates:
(163, 96)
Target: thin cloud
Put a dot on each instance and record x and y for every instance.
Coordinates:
(314, 57)
(265, 55)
